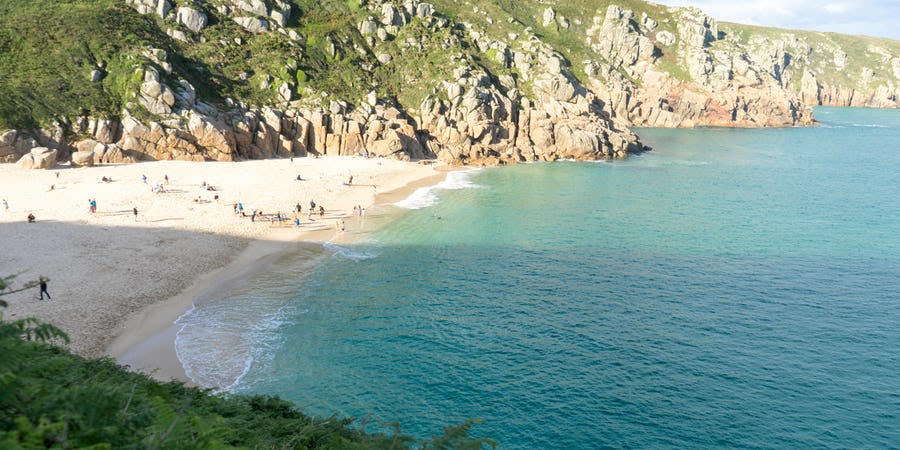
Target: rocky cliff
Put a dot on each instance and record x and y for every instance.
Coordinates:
(490, 82)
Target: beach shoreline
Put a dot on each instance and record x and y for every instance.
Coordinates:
(146, 342)
(165, 232)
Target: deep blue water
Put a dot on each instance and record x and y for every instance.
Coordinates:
(732, 288)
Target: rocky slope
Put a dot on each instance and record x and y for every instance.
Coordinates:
(492, 81)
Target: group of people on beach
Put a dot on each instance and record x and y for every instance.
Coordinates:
(238, 207)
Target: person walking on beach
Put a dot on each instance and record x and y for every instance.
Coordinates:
(167, 178)
(135, 213)
(321, 211)
(43, 284)
(350, 181)
(299, 208)
(5, 205)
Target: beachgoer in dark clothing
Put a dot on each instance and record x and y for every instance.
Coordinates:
(167, 178)
(44, 288)
(299, 208)
(299, 178)
(350, 181)
(321, 211)
(135, 213)
(30, 218)
(312, 204)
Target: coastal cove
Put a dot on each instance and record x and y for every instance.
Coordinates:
(729, 285)
(108, 266)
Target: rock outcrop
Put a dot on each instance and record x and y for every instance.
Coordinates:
(718, 88)
(488, 89)
(38, 158)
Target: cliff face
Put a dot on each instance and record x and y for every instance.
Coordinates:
(684, 77)
(485, 82)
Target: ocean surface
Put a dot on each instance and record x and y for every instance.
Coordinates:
(730, 289)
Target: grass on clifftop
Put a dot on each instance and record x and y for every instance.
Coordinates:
(48, 49)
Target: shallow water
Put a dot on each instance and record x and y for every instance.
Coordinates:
(732, 288)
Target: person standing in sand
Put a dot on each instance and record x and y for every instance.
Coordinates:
(5, 205)
(43, 284)
(135, 213)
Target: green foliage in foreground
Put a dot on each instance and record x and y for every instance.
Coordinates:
(50, 398)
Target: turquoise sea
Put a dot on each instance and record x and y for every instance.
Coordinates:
(730, 289)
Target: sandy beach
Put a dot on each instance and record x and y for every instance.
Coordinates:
(118, 281)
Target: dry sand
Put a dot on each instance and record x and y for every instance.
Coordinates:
(118, 282)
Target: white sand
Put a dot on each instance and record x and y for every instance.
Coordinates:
(112, 276)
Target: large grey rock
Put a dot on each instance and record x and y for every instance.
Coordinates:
(7, 143)
(253, 24)
(665, 38)
(424, 10)
(38, 158)
(155, 96)
(177, 34)
(257, 7)
(284, 92)
(549, 17)
(368, 26)
(280, 17)
(159, 7)
(83, 158)
(191, 18)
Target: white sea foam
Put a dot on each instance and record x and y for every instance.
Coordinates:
(426, 196)
(348, 253)
(217, 348)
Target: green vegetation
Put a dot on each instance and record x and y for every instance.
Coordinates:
(49, 48)
(50, 398)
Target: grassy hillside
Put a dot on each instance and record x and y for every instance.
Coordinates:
(49, 48)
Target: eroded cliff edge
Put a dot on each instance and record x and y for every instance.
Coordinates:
(467, 82)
